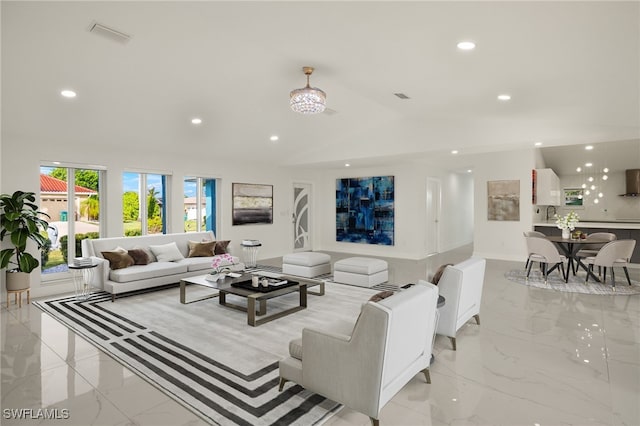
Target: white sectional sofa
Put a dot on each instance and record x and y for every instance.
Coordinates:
(156, 273)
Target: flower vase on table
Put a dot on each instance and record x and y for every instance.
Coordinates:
(567, 223)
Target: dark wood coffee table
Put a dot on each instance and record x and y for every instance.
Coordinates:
(253, 297)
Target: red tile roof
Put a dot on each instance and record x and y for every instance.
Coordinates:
(51, 184)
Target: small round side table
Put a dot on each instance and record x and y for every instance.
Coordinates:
(82, 278)
(250, 250)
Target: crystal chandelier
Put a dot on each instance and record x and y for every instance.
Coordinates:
(308, 100)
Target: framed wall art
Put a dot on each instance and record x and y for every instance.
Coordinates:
(573, 197)
(252, 204)
(365, 210)
(503, 200)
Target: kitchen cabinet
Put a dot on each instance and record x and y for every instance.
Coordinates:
(547, 187)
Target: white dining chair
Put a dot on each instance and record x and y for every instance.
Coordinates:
(614, 254)
(590, 250)
(546, 254)
(532, 234)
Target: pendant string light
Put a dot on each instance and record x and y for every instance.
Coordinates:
(308, 100)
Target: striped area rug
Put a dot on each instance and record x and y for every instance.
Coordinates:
(220, 393)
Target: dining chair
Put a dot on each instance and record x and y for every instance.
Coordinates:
(614, 254)
(590, 250)
(532, 234)
(546, 254)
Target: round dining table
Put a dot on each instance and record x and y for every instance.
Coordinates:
(571, 246)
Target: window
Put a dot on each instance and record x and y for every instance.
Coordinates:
(74, 212)
(144, 203)
(199, 204)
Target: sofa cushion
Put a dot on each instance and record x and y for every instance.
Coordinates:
(152, 270)
(204, 249)
(118, 259)
(221, 247)
(196, 263)
(139, 256)
(167, 252)
(147, 250)
(380, 296)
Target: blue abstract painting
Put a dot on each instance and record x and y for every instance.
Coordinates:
(365, 210)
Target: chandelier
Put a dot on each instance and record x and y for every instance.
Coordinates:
(308, 100)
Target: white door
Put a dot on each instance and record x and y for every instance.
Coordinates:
(433, 216)
(301, 216)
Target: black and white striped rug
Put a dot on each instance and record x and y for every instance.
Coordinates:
(217, 391)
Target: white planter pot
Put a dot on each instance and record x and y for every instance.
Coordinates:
(18, 280)
(566, 234)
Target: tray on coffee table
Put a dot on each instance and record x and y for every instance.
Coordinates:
(261, 289)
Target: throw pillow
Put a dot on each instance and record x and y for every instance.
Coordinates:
(221, 247)
(204, 249)
(382, 295)
(139, 257)
(167, 252)
(439, 272)
(118, 259)
(152, 257)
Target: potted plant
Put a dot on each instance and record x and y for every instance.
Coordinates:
(21, 221)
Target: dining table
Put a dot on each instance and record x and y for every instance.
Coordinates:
(570, 247)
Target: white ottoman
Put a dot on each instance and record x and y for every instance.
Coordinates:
(306, 264)
(361, 271)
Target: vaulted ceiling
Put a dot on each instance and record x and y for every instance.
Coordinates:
(571, 68)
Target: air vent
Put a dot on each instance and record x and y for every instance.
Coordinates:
(110, 33)
(402, 96)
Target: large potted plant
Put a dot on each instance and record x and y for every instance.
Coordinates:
(21, 221)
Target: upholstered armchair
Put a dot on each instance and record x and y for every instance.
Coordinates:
(616, 253)
(461, 286)
(363, 368)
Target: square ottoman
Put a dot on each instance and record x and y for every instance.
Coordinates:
(360, 271)
(306, 264)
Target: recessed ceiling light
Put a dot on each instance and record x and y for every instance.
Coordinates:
(455, 151)
(587, 192)
(466, 45)
(579, 169)
(469, 171)
(68, 93)
(196, 121)
(593, 187)
(538, 144)
(584, 185)
(588, 164)
(588, 147)
(590, 179)
(504, 97)
(274, 138)
(606, 170)
(600, 194)
(347, 164)
(605, 177)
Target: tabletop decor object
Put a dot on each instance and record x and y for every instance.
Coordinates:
(567, 223)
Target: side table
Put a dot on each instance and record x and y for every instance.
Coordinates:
(250, 250)
(82, 278)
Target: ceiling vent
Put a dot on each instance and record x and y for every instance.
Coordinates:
(110, 33)
(402, 96)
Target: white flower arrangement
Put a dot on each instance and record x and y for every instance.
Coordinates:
(568, 221)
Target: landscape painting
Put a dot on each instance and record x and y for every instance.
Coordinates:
(503, 200)
(365, 210)
(252, 203)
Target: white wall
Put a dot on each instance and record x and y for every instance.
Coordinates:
(410, 210)
(502, 239)
(611, 206)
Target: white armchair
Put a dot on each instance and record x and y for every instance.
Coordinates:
(389, 344)
(461, 286)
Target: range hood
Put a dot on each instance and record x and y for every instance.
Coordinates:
(633, 183)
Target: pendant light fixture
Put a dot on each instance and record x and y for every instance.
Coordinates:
(308, 100)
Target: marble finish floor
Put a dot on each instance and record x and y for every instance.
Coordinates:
(539, 357)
